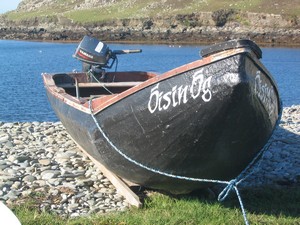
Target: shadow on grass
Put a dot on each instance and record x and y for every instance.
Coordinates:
(273, 204)
(269, 201)
(283, 198)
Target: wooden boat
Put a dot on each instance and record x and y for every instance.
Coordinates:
(207, 119)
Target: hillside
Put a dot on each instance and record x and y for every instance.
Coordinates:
(99, 10)
(193, 21)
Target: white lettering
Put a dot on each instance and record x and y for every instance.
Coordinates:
(153, 101)
(86, 54)
(160, 100)
(182, 94)
(197, 81)
(174, 96)
(265, 93)
(167, 100)
(206, 90)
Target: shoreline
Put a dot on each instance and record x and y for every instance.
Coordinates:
(40, 158)
(261, 44)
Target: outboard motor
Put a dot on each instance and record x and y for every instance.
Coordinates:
(96, 55)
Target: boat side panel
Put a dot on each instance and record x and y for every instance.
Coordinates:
(78, 124)
(205, 123)
(263, 88)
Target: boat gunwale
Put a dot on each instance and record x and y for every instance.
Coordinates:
(101, 103)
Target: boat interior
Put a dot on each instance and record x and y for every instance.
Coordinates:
(83, 85)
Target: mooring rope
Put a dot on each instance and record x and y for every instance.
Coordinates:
(93, 76)
(230, 185)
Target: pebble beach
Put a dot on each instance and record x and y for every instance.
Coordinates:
(38, 159)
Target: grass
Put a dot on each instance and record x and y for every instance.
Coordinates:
(27, 15)
(123, 9)
(267, 206)
(101, 14)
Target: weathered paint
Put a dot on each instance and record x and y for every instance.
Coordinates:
(207, 119)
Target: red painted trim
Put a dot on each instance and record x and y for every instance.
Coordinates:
(83, 56)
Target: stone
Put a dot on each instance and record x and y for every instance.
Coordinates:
(8, 125)
(22, 158)
(49, 174)
(55, 181)
(49, 131)
(12, 172)
(24, 165)
(9, 144)
(73, 215)
(13, 194)
(3, 166)
(12, 158)
(44, 162)
(16, 185)
(29, 178)
(72, 207)
(4, 138)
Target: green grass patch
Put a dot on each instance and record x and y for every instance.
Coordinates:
(268, 206)
(123, 9)
(17, 16)
(100, 14)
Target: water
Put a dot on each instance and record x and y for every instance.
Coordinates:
(23, 96)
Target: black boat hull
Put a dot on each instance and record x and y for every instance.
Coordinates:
(208, 122)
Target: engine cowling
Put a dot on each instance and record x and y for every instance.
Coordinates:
(93, 52)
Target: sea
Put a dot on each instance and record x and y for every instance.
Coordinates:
(23, 97)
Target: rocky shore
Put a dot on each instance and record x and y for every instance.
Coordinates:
(195, 28)
(38, 160)
(280, 163)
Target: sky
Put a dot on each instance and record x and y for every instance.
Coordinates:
(7, 5)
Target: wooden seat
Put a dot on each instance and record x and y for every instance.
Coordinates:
(95, 84)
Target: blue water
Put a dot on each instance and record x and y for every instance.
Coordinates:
(23, 97)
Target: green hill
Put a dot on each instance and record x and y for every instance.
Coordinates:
(104, 10)
(271, 22)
